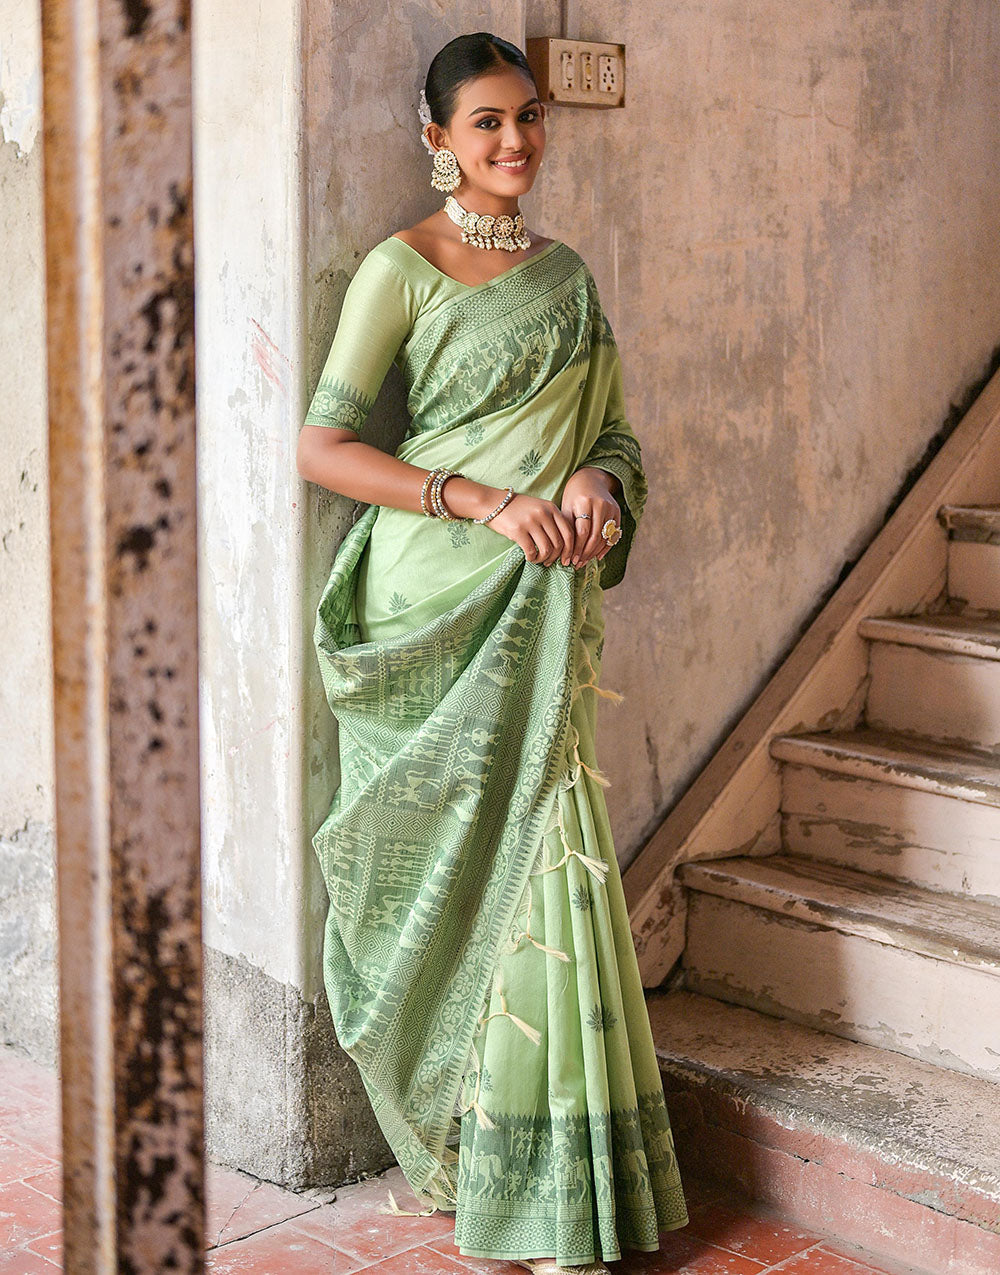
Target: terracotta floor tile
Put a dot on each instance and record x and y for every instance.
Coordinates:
(865, 1263)
(24, 1215)
(280, 1250)
(36, 1125)
(822, 1261)
(765, 1239)
(18, 1161)
(482, 1265)
(355, 1224)
(48, 1246)
(689, 1254)
(238, 1204)
(23, 1262)
(418, 1261)
(48, 1181)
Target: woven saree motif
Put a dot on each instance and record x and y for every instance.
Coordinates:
(477, 955)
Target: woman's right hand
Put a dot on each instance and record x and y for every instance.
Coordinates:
(539, 526)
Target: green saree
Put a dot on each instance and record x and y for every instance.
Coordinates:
(477, 953)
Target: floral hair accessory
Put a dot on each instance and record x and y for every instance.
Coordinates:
(424, 111)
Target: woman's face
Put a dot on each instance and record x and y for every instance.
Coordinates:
(498, 118)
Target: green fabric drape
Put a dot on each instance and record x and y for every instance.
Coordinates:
(477, 954)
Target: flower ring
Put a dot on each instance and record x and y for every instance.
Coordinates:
(611, 532)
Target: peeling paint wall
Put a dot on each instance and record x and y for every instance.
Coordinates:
(27, 889)
(26, 781)
(257, 902)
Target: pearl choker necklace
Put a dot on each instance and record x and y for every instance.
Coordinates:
(486, 231)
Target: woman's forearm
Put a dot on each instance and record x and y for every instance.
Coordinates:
(363, 472)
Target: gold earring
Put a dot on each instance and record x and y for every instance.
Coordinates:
(446, 174)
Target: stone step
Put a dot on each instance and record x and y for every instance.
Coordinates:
(937, 676)
(971, 522)
(885, 1151)
(879, 961)
(973, 554)
(893, 806)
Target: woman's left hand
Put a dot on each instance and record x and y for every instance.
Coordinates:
(590, 491)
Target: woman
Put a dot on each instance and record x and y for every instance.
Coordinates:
(477, 956)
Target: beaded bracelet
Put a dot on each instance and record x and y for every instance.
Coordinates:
(508, 497)
(423, 492)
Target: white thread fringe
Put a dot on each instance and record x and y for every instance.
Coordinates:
(393, 1207)
(597, 868)
(532, 1033)
(527, 934)
(616, 696)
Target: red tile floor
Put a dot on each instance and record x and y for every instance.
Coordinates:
(257, 1228)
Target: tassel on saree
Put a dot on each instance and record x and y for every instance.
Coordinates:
(598, 775)
(527, 934)
(596, 867)
(482, 1119)
(393, 1207)
(616, 696)
(573, 772)
(532, 1033)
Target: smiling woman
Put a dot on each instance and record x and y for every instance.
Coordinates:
(477, 957)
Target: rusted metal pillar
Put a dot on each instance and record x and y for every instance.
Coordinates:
(119, 256)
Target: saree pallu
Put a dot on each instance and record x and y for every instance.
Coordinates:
(477, 953)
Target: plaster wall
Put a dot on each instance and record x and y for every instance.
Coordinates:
(793, 224)
(27, 885)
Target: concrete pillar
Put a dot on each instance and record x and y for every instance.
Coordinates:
(282, 1100)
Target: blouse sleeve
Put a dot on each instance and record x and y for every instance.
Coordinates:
(616, 450)
(378, 312)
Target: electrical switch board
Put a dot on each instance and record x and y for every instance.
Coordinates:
(577, 72)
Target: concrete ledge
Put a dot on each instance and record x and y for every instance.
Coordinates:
(885, 1151)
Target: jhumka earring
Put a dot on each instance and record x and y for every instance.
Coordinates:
(446, 174)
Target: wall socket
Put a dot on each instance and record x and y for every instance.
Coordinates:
(577, 72)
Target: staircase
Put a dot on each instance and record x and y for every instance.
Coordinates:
(831, 1044)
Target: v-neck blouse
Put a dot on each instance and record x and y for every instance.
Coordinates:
(421, 261)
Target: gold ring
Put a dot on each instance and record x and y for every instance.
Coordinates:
(611, 532)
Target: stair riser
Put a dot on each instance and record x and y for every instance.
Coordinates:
(843, 983)
(818, 1183)
(974, 573)
(905, 833)
(950, 698)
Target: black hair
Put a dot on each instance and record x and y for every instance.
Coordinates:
(463, 59)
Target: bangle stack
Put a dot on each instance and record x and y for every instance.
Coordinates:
(433, 483)
(431, 491)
